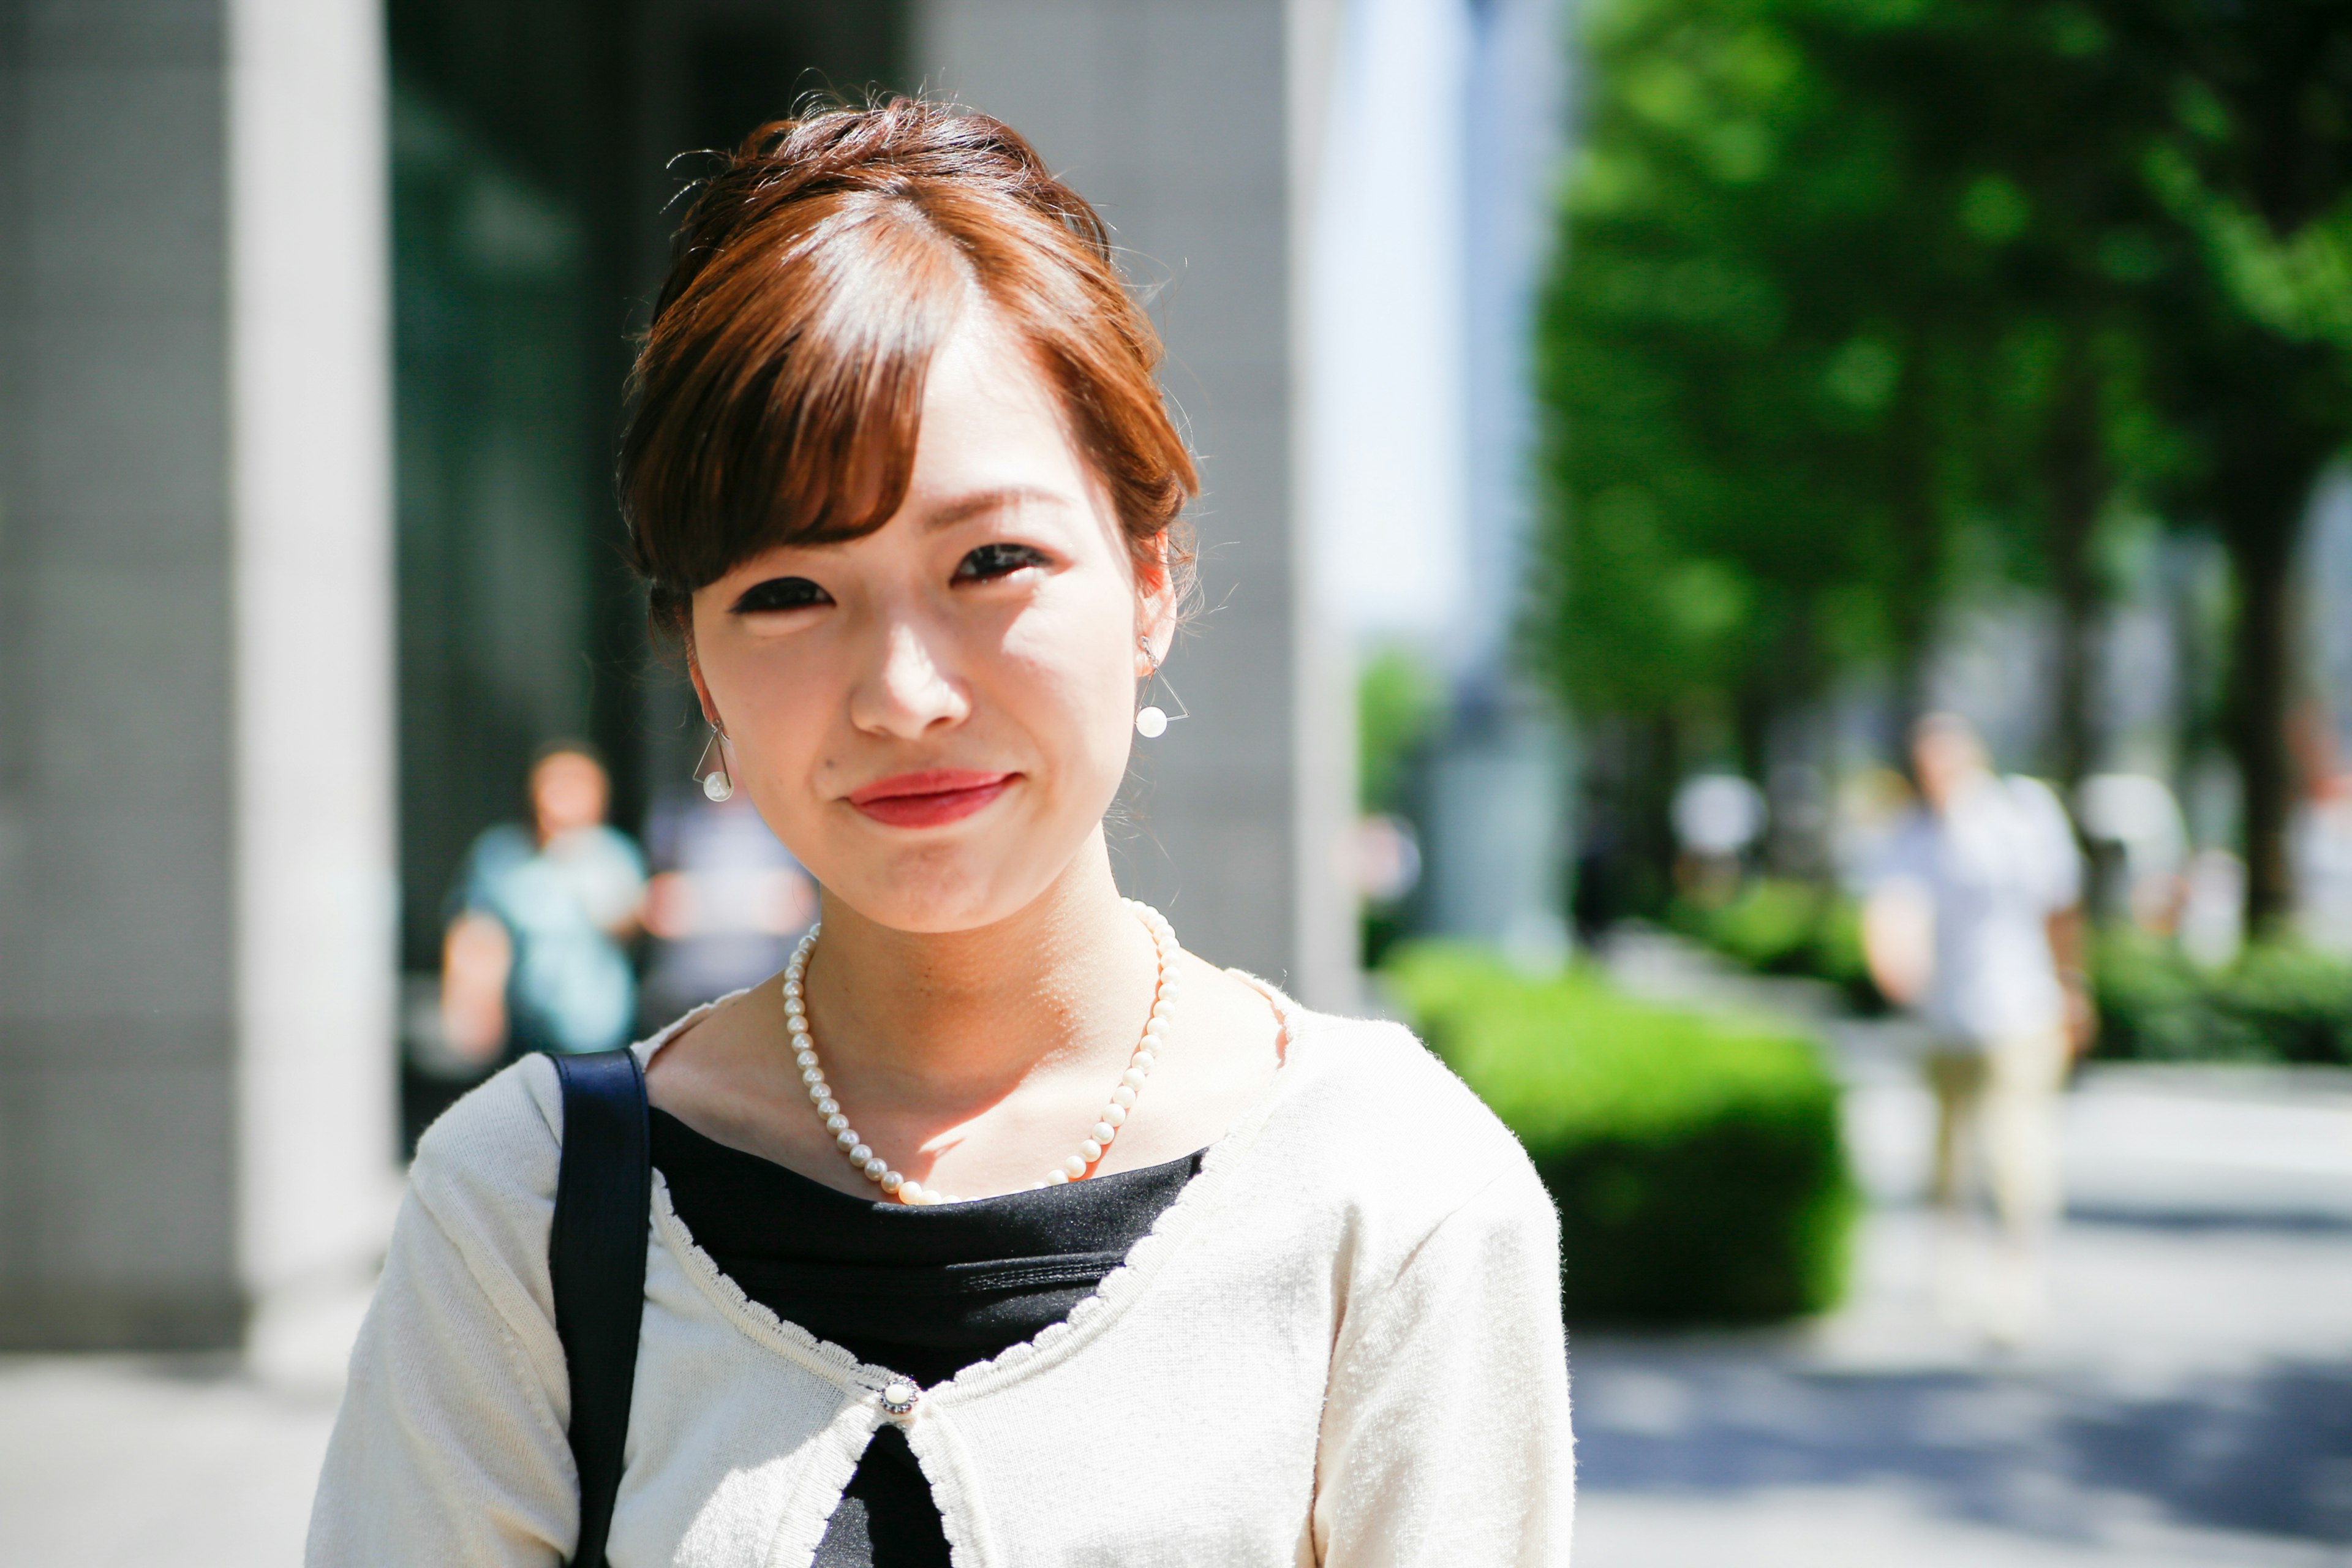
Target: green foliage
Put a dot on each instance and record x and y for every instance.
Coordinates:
(1398, 699)
(1831, 289)
(2150, 1000)
(1698, 1163)
(1778, 925)
(1862, 301)
(2280, 1002)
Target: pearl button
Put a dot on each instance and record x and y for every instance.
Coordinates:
(1089, 1151)
(1104, 1132)
(1074, 1167)
(1123, 1097)
(1115, 1113)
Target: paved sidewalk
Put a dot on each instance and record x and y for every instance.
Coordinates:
(135, 1462)
(2190, 1402)
(2188, 1399)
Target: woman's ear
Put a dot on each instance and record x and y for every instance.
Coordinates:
(702, 687)
(1156, 606)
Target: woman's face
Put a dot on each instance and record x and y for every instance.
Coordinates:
(934, 717)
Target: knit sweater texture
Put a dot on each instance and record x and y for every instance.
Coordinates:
(1340, 1345)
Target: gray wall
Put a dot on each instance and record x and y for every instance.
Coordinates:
(1176, 121)
(116, 996)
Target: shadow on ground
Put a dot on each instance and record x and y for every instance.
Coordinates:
(2060, 1456)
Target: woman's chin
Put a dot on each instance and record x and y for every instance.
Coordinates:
(936, 894)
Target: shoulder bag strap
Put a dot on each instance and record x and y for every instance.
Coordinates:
(596, 1264)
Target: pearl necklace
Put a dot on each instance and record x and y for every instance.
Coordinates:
(875, 1169)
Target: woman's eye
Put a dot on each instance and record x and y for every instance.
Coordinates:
(780, 594)
(996, 561)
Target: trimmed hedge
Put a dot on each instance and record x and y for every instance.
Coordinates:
(1697, 1164)
(1779, 926)
(2279, 1002)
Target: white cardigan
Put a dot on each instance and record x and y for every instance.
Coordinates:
(1341, 1344)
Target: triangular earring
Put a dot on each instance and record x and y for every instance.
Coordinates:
(717, 783)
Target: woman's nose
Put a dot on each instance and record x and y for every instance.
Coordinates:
(905, 691)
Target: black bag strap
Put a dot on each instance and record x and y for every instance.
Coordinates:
(596, 1264)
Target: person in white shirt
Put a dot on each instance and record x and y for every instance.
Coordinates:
(1974, 921)
(997, 1230)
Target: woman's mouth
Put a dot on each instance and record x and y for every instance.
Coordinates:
(929, 798)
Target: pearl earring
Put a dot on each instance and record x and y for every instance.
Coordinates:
(717, 783)
(1151, 720)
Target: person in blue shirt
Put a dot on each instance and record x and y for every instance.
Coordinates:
(536, 956)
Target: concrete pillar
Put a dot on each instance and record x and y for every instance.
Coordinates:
(1184, 123)
(195, 828)
(311, 613)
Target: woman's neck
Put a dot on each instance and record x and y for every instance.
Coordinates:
(972, 1013)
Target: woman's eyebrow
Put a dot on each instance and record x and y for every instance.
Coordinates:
(979, 502)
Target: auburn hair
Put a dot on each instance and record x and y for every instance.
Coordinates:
(777, 393)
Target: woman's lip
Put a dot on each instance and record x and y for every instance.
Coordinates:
(929, 798)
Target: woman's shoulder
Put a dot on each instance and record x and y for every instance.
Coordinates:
(1375, 1104)
(486, 1169)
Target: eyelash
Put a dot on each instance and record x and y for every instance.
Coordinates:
(780, 594)
(989, 562)
(984, 564)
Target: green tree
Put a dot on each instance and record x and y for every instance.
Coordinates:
(1846, 283)
(2250, 153)
(1843, 279)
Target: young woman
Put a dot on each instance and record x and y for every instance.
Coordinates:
(1131, 1261)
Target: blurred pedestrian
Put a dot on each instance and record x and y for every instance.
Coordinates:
(1974, 920)
(725, 903)
(535, 958)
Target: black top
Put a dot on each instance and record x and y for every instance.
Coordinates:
(922, 1291)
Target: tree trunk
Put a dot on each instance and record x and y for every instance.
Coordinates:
(2273, 435)
(2261, 692)
(1915, 591)
(2076, 481)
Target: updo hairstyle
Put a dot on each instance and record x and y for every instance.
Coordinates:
(777, 396)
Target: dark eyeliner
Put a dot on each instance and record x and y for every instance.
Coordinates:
(988, 562)
(780, 594)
